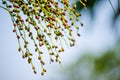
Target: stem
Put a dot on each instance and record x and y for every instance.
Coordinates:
(112, 6)
(118, 4)
(3, 8)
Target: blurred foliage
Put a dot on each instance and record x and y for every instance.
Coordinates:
(108, 59)
(90, 6)
(92, 3)
(91, 67)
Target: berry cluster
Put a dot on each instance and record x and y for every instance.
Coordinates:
(49, 19)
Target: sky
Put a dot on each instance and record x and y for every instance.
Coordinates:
(96, 36)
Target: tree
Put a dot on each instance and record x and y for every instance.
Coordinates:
(45, 23)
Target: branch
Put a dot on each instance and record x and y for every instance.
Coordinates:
(3, 8)
(118, 4)
(112, 6)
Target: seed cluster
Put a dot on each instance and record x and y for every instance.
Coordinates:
(49, 20)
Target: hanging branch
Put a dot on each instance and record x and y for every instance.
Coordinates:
(54, 23)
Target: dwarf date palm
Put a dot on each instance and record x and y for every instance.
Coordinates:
(48, 23)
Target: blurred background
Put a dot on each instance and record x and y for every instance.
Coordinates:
(95, 57)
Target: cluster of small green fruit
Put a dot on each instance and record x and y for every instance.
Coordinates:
(49, 20)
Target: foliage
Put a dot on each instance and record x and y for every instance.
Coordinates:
(45, 23)
(105, 67)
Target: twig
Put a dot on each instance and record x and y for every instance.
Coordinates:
(118, 4)
(3, 8)
(112, 6)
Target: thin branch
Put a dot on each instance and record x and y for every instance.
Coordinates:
(3, 8)
(112, 6)
(118, 4)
